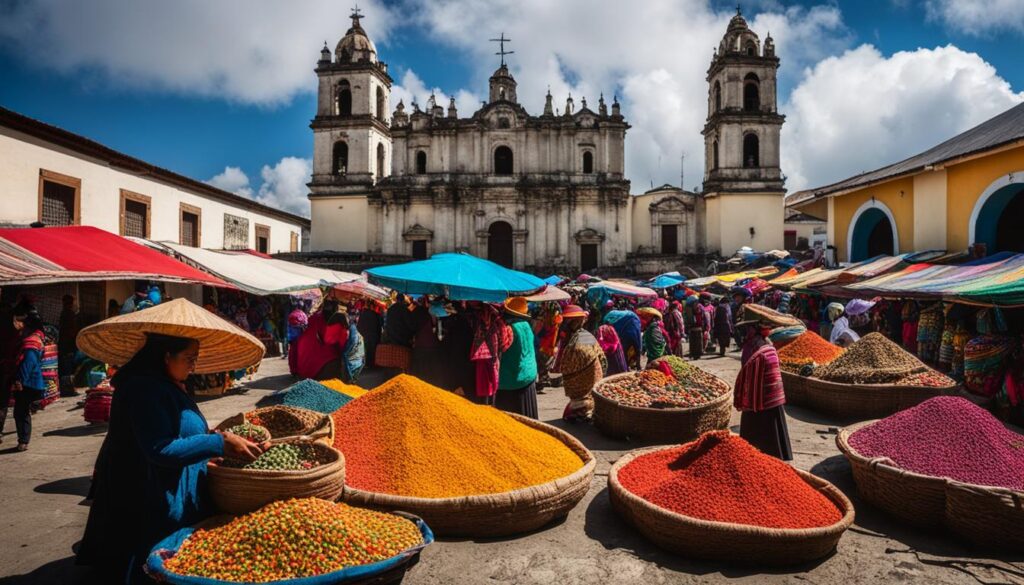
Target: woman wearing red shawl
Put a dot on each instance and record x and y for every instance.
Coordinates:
(759, 395)
(491, 337)
(675, 329)
(28, 385)
(608, 339)
(317, 353)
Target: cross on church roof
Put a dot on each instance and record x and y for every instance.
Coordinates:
(356, 15)
(501, 40)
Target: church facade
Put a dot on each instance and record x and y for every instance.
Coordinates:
(545, 193)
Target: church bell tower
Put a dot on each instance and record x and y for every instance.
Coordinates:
(351, 139)
(743, 183)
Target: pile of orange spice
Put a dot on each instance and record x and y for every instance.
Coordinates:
(409, 438)
(808, 348)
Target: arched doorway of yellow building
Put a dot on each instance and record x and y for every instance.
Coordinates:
(872, 233)
(998, 216)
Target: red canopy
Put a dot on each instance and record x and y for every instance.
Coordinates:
(87, 253)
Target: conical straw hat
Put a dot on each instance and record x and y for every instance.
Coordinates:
(223, 346)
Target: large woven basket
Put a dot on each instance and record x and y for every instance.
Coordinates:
(991, 517)
(658, 425)
(295, 423)
(860, 401)
(795, 388)
(737, 543)
(914, 498)
(238, 491)
(494, 515)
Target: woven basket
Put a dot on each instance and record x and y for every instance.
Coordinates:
(658, 425)
(795, 388)
(990, 517)
(293, 423)
(861, 401)
(238, 491)
(493, 515)
(914, 498)
(737, 543)
(389, 355)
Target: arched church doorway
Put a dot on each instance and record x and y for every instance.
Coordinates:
(998, 225)
(499, 244)
(873, 235)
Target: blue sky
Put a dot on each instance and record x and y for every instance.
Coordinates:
(223, 91)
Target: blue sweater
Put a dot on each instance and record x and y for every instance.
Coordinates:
(150, 477)
(30, 372)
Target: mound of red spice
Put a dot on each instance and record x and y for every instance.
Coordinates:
(721, 477)
(947, 436)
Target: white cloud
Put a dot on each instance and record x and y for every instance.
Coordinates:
(978, 17)
(283, 185)
(411, 89)
(862, 110)
(250, 51)
(233, 179)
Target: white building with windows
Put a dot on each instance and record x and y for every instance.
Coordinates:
(535, 192)
(55, 177)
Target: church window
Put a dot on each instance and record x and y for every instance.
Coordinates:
(750, 49)
(503, 160)
(504, 123)
(339, 164)
(381, 105)
(588, 162)
(751, 93)
(421, 163)
(751, 151)
(344, 99)
(718, 96)
(714, 155)
(380, 161)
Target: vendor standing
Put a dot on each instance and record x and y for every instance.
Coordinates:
(842, 334)
(517, 373)
(150, 475)
(581, 363)
(655, 339)
(759, 395)
(28, 385)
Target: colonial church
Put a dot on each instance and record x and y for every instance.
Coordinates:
(538, 192)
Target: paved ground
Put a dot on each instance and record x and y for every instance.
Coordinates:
(43, 512)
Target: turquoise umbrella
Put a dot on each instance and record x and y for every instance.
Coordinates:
(460, 277)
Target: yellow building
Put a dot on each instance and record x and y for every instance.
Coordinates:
(968, 190)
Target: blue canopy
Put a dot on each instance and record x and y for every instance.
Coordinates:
(553, 280)
(666, 280)
(460, 277)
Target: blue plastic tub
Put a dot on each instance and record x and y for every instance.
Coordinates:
(167, 548)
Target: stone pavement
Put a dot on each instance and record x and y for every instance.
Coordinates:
(43, 512)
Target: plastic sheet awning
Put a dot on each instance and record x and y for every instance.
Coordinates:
(85, 253)
(459, 277)
(997, 280)
(624, 290)
(257, 275)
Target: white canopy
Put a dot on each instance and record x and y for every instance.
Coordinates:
(258, 275)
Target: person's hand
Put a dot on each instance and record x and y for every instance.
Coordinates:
(16, 386)
(236, 447)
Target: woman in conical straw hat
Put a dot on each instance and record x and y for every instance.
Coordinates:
(150, 474)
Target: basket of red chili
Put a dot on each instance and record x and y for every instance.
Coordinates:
(720, 498)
